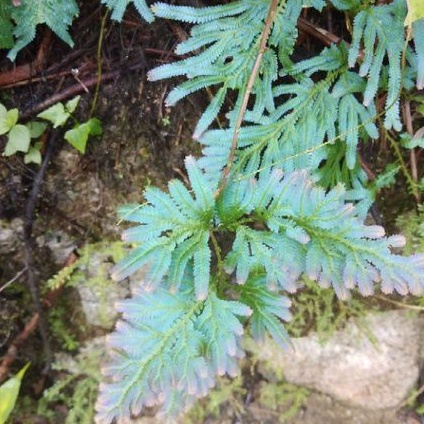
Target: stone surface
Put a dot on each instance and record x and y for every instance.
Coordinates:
(322, 409)
(351, 368)
(60, 245)
(98, 292)
(10, 235)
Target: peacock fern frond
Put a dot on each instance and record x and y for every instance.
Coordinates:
(168, 350)
(223, 255)
(173, 229)
(380, 29)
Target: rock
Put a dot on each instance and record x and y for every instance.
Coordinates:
(322, 409)
(59, 244)
(350, 367)
(98, 292)
(10, 235)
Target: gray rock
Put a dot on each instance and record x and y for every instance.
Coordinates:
(10, 236)
(98, 292)
(351, 368)
(59, 244)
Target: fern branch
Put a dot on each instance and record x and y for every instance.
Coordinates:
(262, 46)
(168, 350)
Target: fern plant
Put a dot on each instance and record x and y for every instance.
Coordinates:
(19, 21)
(278, 193)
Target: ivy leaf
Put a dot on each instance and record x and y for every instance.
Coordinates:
(78, 136)
(72, 104)
(36, 128)
(415, 11)
(8, 119)
(55, 114)
(9, 394)
(95, 126)
(18, 140)
(33, 155)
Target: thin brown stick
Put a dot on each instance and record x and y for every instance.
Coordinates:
(65, 94)
(11, 281)
(400, 304)
(12, 351)
(327, 37)
(262, 48)
(412, 157)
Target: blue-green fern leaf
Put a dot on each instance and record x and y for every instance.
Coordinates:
(308, 230)
(56, 14)
(173, 229)
(118, 8)
(381, 30)
(346, 4)
(418, 31)
(227, 52)
(199, 15)
(269, 309)
(167, 350)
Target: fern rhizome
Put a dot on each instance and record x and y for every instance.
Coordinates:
(278, 192)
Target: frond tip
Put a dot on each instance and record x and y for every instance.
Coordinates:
(173, 228)
(167, 351)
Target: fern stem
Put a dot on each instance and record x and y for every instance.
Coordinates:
(99, 63)
(414, 172)
(410, 181)
(219, 261)
(262, 48)
(400, 304)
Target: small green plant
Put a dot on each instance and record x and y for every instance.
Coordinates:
(228, 392)
(25, 138)
(9, 391)
(59, 326)
(412, 226)
(319, 309)
(95, 276)
(76, 387)
(19, 136)
(285, 397)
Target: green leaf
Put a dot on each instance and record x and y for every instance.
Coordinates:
(6, 33)
(33, 156)
(78, 136)
(72, 104)
(18, 140)
(8, 119)
(56, 114)
(9, 391)
(95, 126)
(36, 128)
(415, 11)
(409, 142)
